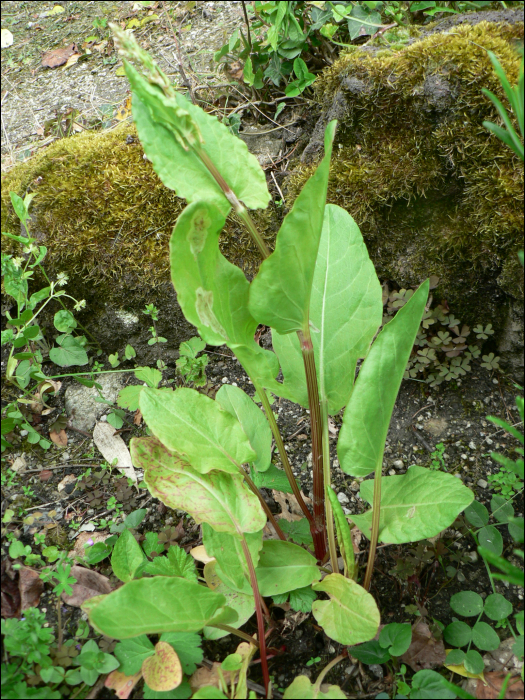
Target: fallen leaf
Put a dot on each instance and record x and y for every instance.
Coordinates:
(71, 60)
(58, 57)
(31, 587)
(121, 684)
(88, 585)
(492, 688)
(85, 537)
(114, 448)
(68, 479)
(357, 536)
(59, 439)
(19, 465)
(57, 10)
(208, 676)
(291, 510)
(9, 591)
(199, 553)
(137, 418)
(45, 475)
(425, 651)
(7, 38)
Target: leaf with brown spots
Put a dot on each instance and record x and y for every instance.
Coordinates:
(163, 670)
(425, 651)
(122, 684)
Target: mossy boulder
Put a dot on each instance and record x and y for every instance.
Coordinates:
(433, 192)
(106, 219)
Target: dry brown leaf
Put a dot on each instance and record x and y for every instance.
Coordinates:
(45, 475)
(88, 585)
(121, 684)
(425, 651)
(291, 510)
(492, 688)
(199, 553)
(59, 438)
(71, 61)
(113, 448)
(84, 537)
(137, 418)
(357, 536)
(31, 587)
(208, 676)
(58, 57)
(68, 479)
(9, 591)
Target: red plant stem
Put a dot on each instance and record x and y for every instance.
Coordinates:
(259, 614)
(319, 534)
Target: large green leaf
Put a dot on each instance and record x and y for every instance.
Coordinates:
(195, 426)
(351, 615)
(213, 293)
(345, 311)
(160, 122)
(217, 498)
(415, 505)
(231, 562)
(154, 605)
(280, 294)
(283, 567)
(242, 602)
(252, 419)
(367, 416)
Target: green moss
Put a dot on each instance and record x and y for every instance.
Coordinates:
(432, 190)
(106, 217)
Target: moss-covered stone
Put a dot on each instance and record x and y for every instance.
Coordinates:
(431, 189)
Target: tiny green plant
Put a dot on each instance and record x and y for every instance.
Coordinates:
(191, 368)
(202, 452)
(437, 457)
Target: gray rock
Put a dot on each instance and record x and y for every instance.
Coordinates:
(482, 484)
(81, 407)
(342, 498)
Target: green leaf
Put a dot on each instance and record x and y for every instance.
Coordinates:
(227, 550)
(467, 603)
(217, 498)
(396, 637)
(150, 375)
(247, 72)
(132, 652)
(501, 509)
(302, 687)
(252, 419)
(193, 425)
(176, 563)
(484, 637)
(272, 478)
(430, 685)
(415, 505)
(127, 556)
(371, 653)
(372, 400)
(458, 634)
(283, 567)
(188, 647)
(134, 519)
(209, 692)
(344, 536)
(351, 615)
(474, 661)
(192, 347)
(19, 206)
(129, 397)
(297, 530)
(346, 307)
(153, 606)
(477, 514)
(191, 180)
(280, 293)
(213, 293)
(69, 352)
(64, 321)
(510, 573)
(490, 538)
(302, 598)
(242, 603)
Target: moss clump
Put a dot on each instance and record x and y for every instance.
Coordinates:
(106, 217)
(432, 190)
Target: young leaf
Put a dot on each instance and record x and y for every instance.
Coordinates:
(272, 478)
(176, 563)
(216, 498)
(351, 615)
(346, 307)
(188, 648)
(69, 352)
(297, 530)
(213, 293)
(172, 130)
(127, 556)
(302, 687)
(415, 505)
(132, 652)
(396, 637)
(372, 400)
(344, 536)
(252, 420)
(192, 424)
(283, 567)
(227, 550)
(280, 293)
(135, 608)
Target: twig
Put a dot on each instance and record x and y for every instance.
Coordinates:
(247, 25)
(421, 439)
(278, 188)
(66, 465)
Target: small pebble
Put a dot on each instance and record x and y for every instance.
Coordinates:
(482, 483)
(399, 464)
(461, 577)
(376, 669)
(342, 498)
(224, 380)
(463, 456)
(23, 433)
(472, 445)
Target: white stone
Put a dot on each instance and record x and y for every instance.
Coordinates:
(399, 464)
(342, 498)
(472, 445)
(482, 483)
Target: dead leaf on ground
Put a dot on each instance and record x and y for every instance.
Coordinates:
(45, 475)
(208, 676)
(68, 479)
(59, 438)
(85, 537)
(137, 418)
(114, 448)
(291, 510)
(493, 688)
(199, 554)
(121, 684)
(31, 587)
(357, 536)
(425, 651)
(19, 465)
(9, 590)
(58, 57)
(88, 585)
(71, 62)
(7, 38)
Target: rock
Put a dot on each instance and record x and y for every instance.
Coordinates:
(342, 498)
(81, 407)
(399, 464)
(482, 483)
